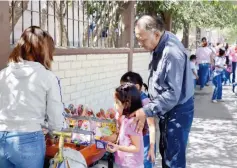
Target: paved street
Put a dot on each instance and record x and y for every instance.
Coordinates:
(213, 139)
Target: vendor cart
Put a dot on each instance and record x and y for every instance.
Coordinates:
(88, 154)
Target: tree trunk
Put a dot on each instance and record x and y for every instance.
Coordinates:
(18, 7)
(61, 10)
(167, 16)
(44, 17)
(185, 39)
(124, 26)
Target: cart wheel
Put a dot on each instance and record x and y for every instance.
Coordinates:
(110, 160)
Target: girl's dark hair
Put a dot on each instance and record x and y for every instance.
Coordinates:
(192, 57)
(221, 51)
(129, 96)
(226, 46)
(135, 78)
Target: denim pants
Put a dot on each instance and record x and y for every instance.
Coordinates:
(175, 126)
(22, 150)
(217, 82)
(227, 77)
(233, 71)
(203, 73)
(146, 140)
(195, 83)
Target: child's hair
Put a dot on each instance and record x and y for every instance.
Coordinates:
(135, 78)
(193, 57)
(129, 96)
(221, 51)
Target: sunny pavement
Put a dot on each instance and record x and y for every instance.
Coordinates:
(213, 138)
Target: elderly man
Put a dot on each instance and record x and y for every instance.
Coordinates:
(170, 90)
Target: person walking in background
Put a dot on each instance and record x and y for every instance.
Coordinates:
(233, 58)
(220, 65)
(204, 59)
(32, 95)
(194, 69)
(228, 70)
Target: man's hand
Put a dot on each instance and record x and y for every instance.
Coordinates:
(139, 120)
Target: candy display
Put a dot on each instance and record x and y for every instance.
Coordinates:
(82, 131)
(83, 118)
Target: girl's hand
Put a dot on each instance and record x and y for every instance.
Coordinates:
(111, 147)
(151, 155)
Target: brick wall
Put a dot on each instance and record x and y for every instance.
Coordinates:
(90, 79)
(140, 64)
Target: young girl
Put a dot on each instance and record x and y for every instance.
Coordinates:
(149, 136)
(220, 65)
(129, 150)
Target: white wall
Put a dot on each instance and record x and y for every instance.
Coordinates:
(92, 79)
(140, 64)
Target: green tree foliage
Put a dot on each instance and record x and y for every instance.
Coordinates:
(183, 14)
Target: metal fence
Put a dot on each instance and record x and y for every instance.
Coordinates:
(72, 24)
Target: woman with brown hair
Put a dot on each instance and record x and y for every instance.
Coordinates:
(30, 94)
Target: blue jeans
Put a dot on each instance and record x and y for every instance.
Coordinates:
(146, 140)
(233, 71)
(217, 82)
(22, 150)
(195, 83)
(175, 126)
(203, 74)
(227, 77)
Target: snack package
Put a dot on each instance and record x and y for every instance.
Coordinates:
(81, 139)
(101, 144)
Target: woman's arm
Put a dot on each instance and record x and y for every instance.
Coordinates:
(55, 107)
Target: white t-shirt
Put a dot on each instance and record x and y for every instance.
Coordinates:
(29, 94)
(204, 55)
(220, 61)
(194, 68)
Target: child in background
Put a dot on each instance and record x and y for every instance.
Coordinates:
(129, 150)
(220, 65)
(149, 135)
(194, 69)
(228, 70)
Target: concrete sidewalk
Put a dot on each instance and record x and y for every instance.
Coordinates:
(213, 139)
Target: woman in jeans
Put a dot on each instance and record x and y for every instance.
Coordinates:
(29, 95)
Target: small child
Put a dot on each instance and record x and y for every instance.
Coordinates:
(149, 134)
(129, 150)
(228, 70)
(220, 65)
(194, 69)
